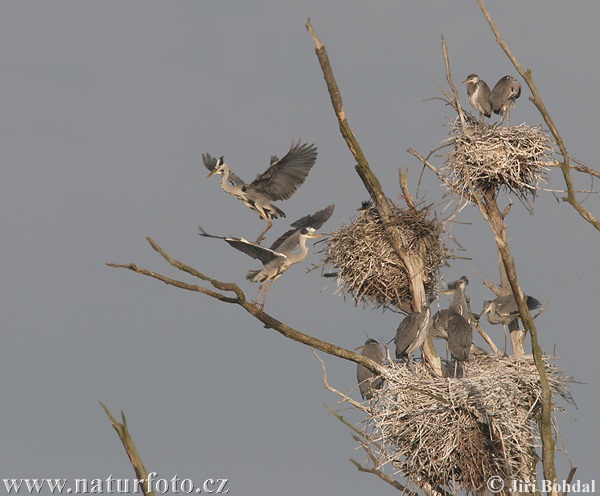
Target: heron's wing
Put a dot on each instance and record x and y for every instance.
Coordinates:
(405, 335)
(265, 255)
(209, 162)
(202, 232)
(284, 177)
(315, 221)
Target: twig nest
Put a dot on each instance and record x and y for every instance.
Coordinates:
(457, 433)
(368, 268)
(488, 158)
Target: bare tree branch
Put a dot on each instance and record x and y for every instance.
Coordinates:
(414, 264)
(537, 101)
(135, 459)
(268, 321)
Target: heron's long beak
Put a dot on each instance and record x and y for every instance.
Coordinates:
(315, 235)
(212, 173)
(360, 348)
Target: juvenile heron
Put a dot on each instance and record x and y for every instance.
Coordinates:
(460, 337)
(367, 380)
(412, 332)
(503, 96)
(279, 259)
(479, 93)
(278, 182)
(503, 310)
(457, 288)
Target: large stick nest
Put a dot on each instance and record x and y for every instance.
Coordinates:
(457, 433)
(487, 157)
(370, 270)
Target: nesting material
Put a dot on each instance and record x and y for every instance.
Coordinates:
(457, 433)
(368, 268)
(487, 157)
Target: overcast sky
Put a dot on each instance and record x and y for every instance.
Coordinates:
(106, 109)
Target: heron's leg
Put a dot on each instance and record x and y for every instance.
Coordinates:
(262, 234)
(505, 337)
(258, 294)
(265, 293)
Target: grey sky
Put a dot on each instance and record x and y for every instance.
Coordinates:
(106, 109)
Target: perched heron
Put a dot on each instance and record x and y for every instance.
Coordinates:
(478, 93)
(439, 329)
(367, 380)
(460, 338)
(503, 96)
(412, 332)
(278, 182)
(281, 256)
(503, 310)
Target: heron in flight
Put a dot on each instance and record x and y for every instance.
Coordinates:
(503, 310)
(367, 380)
(412, 332)
(282, 255)
(279, 182)
(503, 96)
(478, 93)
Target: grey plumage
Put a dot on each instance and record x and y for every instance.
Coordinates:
(439, 328)
(367, 380)
(279, 259)
(479, 93)
(503, 310)
(412, 332)
(278, 182)
(503, 96)
(451, 324)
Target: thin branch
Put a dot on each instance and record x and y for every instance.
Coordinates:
(134, 457)
(538, 102)
(268, 321)
(173, 282)
(384, 477)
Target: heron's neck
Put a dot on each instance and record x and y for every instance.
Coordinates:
(303, 248)
(225, 180)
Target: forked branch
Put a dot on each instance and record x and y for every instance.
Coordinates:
(240, 299)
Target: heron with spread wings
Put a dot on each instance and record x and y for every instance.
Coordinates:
(279, 182)
(282, 253)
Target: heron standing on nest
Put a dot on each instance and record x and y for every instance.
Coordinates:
(282, 255)
(367, 380)
(503, 310)
(479, 93)
(503, 96)
(457, 288)
(278, 182)
(412, 332)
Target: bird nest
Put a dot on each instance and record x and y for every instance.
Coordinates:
(370, 270)
(487, 158)
(457, 433)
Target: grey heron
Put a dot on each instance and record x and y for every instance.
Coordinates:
(451, 324)
(412, 332)
(457, 288)
(478, 93)
(503, 96)
(367, 380)
(282, 255)
(503, 310)
(279, 182)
